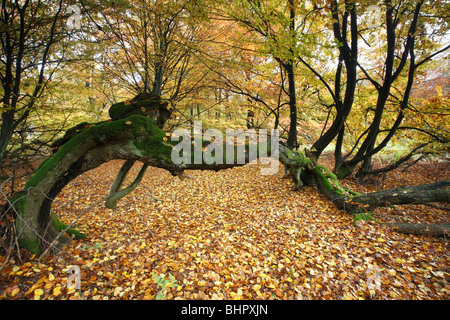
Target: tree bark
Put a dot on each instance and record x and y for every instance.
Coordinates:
(115, 192)
(138, 138)
(134, 138)
(420, 194)
(369, 146)
(424, 229)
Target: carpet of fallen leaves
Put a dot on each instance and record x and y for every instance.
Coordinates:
(235, 234)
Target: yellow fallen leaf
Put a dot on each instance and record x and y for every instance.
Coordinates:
(330, 263)
(71, 290)
(51, 277)
(117, 290)
(57, 291)
(393, 294)
(38, 292)
(15, 291)
(201, 283)
(279, 293)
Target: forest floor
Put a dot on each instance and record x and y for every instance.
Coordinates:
(235, 234)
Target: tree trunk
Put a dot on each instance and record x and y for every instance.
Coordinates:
(115, 192)
(424, 229)
(292, 135)
(408, 195)
(6, 131)
(133, 138)
(289, 67)
(328, 184)
(392, 70)
(138, 138)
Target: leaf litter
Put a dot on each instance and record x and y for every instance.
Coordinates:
(233, 234)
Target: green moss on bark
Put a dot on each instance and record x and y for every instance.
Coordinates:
(135, 107)
(60, 226)
(343, 171)
(148, 138)
(32, 245)
(298, 157)
(136, 134)
(329, 181)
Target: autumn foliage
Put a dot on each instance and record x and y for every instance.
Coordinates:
(226, 235)
(360, 108)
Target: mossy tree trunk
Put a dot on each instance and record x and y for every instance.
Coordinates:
(134, 138)
(434, 192)
(138, 138)
(115, 192)
(328, 184)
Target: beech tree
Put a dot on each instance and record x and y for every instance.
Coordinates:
(278, 29)
(396, 47)
(29, 31)
(135, 130)
(149, 46)
(133, 136)
(404, 25)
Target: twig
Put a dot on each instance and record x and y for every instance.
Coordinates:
(142, 220)
(17, 243)
(9, 252)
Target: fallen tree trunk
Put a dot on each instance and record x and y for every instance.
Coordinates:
(424, 229)
(134, 138)
(420, 194)
(353, 203)
(138, 138)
